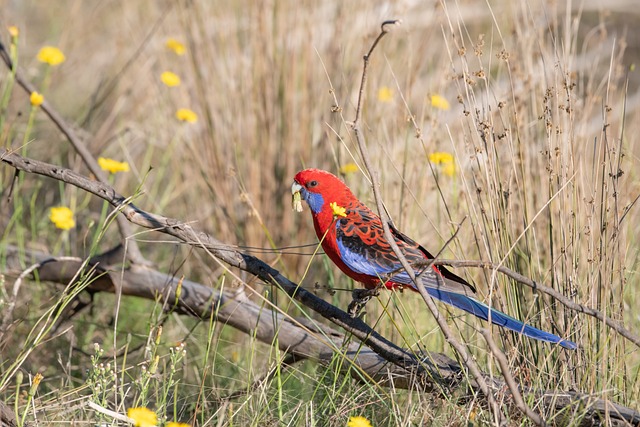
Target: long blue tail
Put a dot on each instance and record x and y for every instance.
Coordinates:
(481, 310)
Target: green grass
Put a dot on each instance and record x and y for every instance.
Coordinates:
(541, 121)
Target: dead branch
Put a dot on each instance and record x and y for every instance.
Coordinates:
(374, 356)
(222, 251)
(8, 416)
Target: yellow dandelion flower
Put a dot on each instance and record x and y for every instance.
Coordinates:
(13, 31)
(37, 379)
(385, 94)
(440, 157)
(338, 210)
(142, 417)
(175, 424)
(62, 217)
(51, 55)
(473, 414)
(439, 102)
(36, 99)
(349, 168)
(445, 161)
(358, 422)
(174, 45)
(170, 79)
(186, 115)
(112, 166)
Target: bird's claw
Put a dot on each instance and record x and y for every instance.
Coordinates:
(360, 298)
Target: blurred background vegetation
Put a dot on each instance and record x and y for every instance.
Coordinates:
(519, 116)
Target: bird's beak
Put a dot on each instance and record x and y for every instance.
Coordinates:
(296, 198)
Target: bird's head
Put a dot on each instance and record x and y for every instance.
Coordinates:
(319, 189)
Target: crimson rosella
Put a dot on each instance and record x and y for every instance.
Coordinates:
(352, 236)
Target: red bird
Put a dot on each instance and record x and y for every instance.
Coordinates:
(351, 235)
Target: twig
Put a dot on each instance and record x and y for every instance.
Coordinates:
(581, 308)
(444, 327)
(133, 251)
(383, 31)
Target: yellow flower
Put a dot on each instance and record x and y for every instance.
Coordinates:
(186, 115)
(175, 46)
(62, 217)
(439, 102)
(36, 99)
(34, 385)
(349, 168)
(51, 55)
(440, 157)
(142, 417)
(338, 210)
(170, 79)
(385, 94)
(473, 414)
(113, 166)
(37, 379)
(445, 160)
(175, 424)
(13, 31)
(358, 422)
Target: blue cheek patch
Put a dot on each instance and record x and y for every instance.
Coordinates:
(314, 200)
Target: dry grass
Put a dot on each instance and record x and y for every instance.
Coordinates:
(541, 124)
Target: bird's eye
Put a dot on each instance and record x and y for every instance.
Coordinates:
(312, 184)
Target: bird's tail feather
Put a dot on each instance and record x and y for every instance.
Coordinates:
(481, 310)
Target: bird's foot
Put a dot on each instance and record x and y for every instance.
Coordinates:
(360, 298)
